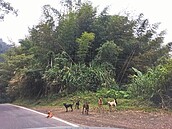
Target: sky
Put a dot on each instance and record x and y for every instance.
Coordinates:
(13, 28)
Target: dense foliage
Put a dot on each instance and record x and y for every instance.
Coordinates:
(154, 85)
(80, 50)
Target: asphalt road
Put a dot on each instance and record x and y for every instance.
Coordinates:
(16, 117)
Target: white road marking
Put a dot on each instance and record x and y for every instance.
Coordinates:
(74, 125)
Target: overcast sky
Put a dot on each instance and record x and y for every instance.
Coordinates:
(15, 28)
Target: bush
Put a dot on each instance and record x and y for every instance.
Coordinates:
(111, 93)
(155, 85)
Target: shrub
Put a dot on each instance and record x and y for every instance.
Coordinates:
(111, 93)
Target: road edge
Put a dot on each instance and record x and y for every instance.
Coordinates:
(56, 118)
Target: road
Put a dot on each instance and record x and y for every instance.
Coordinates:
(16, 117)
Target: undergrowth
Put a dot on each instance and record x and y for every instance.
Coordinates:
(91, 98)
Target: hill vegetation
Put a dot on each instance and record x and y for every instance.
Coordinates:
(4, 47)
(78, 50)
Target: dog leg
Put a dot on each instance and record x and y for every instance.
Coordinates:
(86, 112)
(83, 109)
(66, 109)
(77, 106)
(110, 108)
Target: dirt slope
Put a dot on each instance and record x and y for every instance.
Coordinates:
(125, 119)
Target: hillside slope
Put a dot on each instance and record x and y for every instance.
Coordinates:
(3, 48)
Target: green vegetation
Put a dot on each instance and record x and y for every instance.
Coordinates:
(80, 51)
(92, 98)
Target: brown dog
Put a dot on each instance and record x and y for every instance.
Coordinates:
(50, 114)
(100, 105)
(85, 108)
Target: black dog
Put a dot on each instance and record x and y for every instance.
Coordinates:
(85, 108)
(68, 106)
(77, 105)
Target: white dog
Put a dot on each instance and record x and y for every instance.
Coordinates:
(112, 104)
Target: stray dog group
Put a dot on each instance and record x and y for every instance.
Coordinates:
(69, 105)
(85, 107)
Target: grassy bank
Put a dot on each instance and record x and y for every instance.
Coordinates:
(92, 98)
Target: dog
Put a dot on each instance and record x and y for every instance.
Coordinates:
(85, 108)
(68, 106)
(112, 104)
(100, 105)
(77, 105)
(50, 114)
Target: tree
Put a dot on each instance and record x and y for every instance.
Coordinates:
(84, 43)
(26, 85)
(71, 5)
(148, 47)
(143, 50)
(108, 53)
(15, 62)
(6, 8)
(66, 34)
(85, 18)
(79, 50)
(42, 38)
